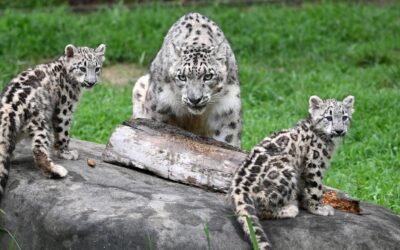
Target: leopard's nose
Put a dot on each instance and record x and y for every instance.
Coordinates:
(194, 100)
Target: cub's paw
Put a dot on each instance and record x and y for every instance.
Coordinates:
(288, 211)
(57, 171)
(266, 215)
(68, 154)
(324, 210)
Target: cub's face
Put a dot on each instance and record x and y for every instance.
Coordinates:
(331, 117)
(199, 75)
(85, 64)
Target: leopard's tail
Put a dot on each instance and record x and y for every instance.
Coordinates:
(7, 145)
(244, 208)
(139, 93)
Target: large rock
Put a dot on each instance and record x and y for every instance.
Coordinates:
(111, 207)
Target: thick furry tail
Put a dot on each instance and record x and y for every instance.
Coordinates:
(245, 211)
(7, 145)
(139, 93)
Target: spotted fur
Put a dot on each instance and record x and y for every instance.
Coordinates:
(193, 82)
(39, 103)
(286, 169)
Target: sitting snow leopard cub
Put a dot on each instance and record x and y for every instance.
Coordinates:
(287, 168)
(193, 82)
(40, 101)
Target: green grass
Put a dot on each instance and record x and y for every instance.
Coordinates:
(13, 241)
(285, 55)
(149, 243)
(206, 230)
(253, 236)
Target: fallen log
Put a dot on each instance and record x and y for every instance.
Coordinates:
(174, 154)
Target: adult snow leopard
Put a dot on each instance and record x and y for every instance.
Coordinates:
(193, 82)
(40, 101)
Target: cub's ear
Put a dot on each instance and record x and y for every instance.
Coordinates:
(70, 50)
(315, 102)
(101, 51)
(349, 102)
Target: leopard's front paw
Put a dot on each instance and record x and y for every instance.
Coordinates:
(68, 154)
(324, 210)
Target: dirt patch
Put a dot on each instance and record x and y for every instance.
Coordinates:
(122, 74)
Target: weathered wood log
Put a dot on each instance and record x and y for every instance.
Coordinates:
(174, 154)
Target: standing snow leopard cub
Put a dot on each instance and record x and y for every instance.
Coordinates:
(193, 82)
(286, 169)
(39, 102)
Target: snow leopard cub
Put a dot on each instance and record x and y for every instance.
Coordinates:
(286, 169)
(39, 103)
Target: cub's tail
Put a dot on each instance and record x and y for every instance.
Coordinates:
(7, 145)
(244, 208)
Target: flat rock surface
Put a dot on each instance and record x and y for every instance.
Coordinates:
(111, 207)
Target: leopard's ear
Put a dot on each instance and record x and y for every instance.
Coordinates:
(70, 50)
(219, 52)
(177, 49)
(315, 102)
(349, 103)
(101, 51)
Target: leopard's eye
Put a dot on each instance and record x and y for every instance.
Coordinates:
(182, 78)
(83, 69)
(97, 69)
(329, 118)
(208, 77)
(345, 117)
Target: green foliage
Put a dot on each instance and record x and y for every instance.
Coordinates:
(285, 55)
(31, 3)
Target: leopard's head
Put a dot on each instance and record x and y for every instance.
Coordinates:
(199, 73)
(84, 64)
(331, 117)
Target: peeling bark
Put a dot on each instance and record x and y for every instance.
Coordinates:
(174, 154)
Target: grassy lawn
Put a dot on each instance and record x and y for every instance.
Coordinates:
(285, 55)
